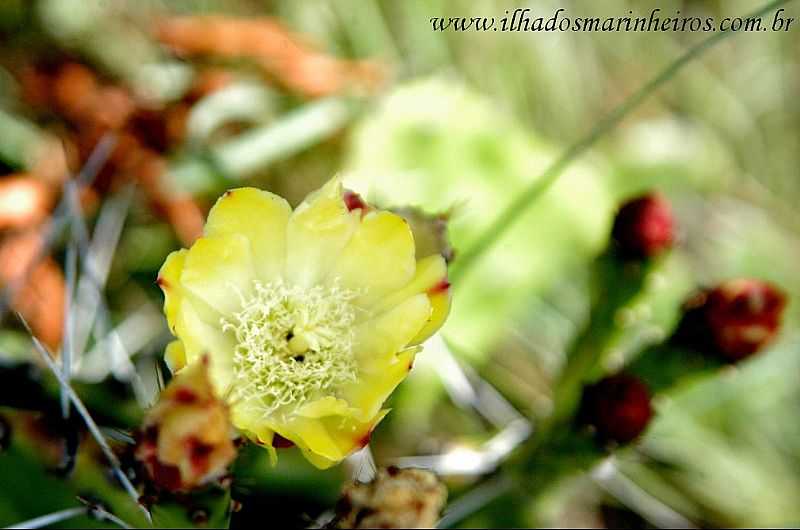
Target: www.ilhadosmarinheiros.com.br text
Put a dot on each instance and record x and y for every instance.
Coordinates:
(523, 19)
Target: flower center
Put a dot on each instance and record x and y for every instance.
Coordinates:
(294, 344)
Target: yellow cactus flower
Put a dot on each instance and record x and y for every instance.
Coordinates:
(310, 318)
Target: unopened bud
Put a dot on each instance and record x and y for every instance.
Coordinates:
(430, 232)
(618, 407)
(185, 441)
(736, 319)
(397, 498)
(644, 227)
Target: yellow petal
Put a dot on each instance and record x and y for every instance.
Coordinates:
(251, 423)
(219, 271)
(175, 356)
(326, 406)
(199, 338)
(377, 339)
(259, 433)
(311, 434)
(440, 308)
(376, 348)
(316, 233)
(368, 395)
(351, 434)
(169, 281)
(328, 441)
(259, 216)
(320, 462)
(429, 272)
(430, 278)
(378, 258)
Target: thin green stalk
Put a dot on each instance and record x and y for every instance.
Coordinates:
(524, 200)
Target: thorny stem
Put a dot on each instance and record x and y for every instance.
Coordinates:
(524, 200)
(52, 518)
(70, 513)
(87, 418)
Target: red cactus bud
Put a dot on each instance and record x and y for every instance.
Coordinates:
(618, 407)
(743, 316)
(644, 227)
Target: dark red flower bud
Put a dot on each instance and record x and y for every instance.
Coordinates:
(618, 407)
(738, 317)
(644, 227)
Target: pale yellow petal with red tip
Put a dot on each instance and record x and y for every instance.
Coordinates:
(440, 298)
(351, 434)
(429, 272)
(430, 278)
(327, 441)
(261, 217)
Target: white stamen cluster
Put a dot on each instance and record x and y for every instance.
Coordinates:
(294, 344)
